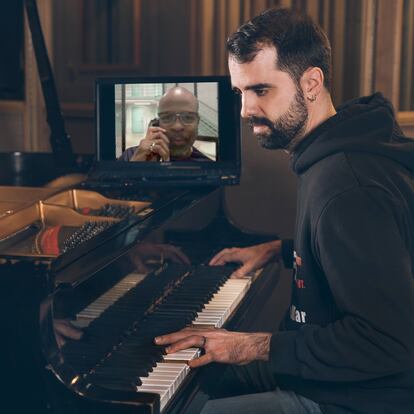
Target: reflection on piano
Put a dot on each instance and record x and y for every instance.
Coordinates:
(120, 308)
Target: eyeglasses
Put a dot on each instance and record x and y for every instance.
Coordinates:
(186, 118)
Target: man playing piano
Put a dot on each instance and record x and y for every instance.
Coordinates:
(347, 342)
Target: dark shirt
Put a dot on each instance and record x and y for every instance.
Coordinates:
(347, 341)
(196, 155)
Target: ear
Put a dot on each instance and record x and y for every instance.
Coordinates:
(312, 83)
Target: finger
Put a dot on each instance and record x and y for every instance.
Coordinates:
(163, 137)
(146, 146)
(174, 337)
(226, 256)
(203, 360)
(157, 136)
(155, 129)
(159, 146)
(162, 149)
(138, 263)
(66, 329)
(188, 342)
(154, 151)
(60, 340)
(216, 259)
(243, 270)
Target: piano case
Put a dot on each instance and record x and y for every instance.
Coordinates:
(121, 269)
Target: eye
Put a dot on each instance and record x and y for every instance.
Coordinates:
(166, 118)
(237, 91)
(188, 118)
(260, 92)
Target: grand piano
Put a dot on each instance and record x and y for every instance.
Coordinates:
(116, 269)
(89, 276)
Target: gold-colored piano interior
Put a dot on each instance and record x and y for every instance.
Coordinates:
(9, 207)
(95, 204)
(59, 222)
(13, 199)
(25, 195)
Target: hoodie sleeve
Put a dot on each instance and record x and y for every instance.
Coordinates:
(361, 246)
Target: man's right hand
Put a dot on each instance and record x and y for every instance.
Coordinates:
(252, 258)
(153, 147)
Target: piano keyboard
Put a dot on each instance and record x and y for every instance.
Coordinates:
(205, 298)
(214, 314)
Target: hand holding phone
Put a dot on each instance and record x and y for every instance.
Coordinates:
(155, 145)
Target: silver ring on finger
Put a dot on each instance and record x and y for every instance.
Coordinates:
(152, 146)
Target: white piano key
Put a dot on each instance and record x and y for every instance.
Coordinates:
(185, 355)
(168, 376)
(165, 367)
(96, 308)
(156, 380)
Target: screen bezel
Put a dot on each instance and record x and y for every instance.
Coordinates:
(228, 162)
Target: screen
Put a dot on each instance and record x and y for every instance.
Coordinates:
(169, 127)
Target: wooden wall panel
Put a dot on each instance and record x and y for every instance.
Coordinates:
(207, 25)
(196, 34)
(388, 48)
(220, 32)
(12, 126)
(312, 9)
(338, 42)
(366, 74)
(407, 58)
(406, 120)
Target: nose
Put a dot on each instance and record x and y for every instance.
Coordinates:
(248, 106)
(177, 125)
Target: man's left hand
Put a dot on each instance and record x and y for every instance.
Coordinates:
(219, 345)
(65, 330)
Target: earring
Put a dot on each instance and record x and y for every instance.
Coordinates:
(312, 98)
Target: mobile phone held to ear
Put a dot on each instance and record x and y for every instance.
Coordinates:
(154, 122)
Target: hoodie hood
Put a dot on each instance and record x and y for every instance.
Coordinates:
(365, 124)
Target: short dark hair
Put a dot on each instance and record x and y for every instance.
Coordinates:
(300, 43)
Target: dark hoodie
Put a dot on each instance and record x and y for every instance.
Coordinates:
(348, 339)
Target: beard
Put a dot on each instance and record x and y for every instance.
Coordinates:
(287, 130)
(182, 150)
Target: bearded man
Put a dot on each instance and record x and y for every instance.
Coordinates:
(346, 344)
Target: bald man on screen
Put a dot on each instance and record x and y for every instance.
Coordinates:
(171, 136)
